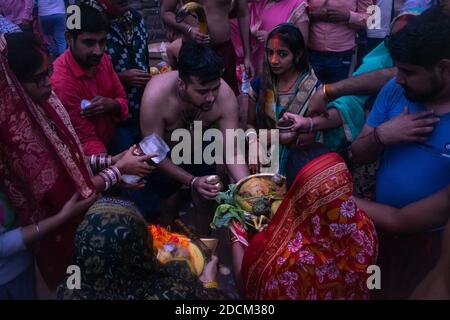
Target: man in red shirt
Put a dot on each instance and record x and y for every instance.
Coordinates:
(85, 72)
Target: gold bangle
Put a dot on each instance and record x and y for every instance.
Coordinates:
(210, 284)
(324, 89)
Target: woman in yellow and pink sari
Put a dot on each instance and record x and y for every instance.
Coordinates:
(318, 245)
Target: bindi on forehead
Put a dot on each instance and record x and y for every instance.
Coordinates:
(276, 46)
(276, 42)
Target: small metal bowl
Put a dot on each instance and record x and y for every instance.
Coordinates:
(211, 243)
(285, 125)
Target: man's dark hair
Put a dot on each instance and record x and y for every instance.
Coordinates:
(424, 41)
(199, 61)
(25, 54)
(300, 157)
(91, 20)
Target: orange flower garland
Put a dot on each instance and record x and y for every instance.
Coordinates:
(162, 236)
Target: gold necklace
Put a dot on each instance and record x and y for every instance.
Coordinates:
(291, 86)
(189, 124)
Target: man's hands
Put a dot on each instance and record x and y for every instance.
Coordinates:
(206, 190)
(329, 14)
(260, 35)
(407, 128)
(101, 105)
(335, 14)
(135, 78)
(135, 165)
(249, 67)
(301, 124)
(199, 37)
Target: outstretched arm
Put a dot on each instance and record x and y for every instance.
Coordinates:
(244, 29)
(368, 83)
(168, 8)
(152, 121)
(422, 215)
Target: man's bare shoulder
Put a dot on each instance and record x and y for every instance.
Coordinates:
(226, 99)
(160, 89)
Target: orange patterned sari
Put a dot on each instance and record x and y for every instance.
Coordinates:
(318, 245)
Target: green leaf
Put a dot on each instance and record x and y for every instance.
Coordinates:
(224, 214)
(227, 197)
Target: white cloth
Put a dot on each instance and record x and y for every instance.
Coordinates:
(386, 18)
(49, 7)
(14, 256)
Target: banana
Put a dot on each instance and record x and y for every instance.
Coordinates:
(275, 205)
(197, 260)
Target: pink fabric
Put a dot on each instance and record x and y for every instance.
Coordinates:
(17, 11)
(338, 37)
(72, 84)
(262, 18)
(277, 12)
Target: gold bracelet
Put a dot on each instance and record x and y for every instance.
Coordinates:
(324, 88)
(210, 284)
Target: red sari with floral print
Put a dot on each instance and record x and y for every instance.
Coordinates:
(318, 245)
(41, 166)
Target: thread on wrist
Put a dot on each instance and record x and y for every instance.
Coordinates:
(377, 137)
(311, 125)
(191, 184)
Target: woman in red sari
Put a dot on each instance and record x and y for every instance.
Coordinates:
(319, 244)
(42, 164)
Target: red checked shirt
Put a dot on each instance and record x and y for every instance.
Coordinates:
(72, 84)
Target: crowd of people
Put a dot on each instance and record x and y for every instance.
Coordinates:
(366, 159)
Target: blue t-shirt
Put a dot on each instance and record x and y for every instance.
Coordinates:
(412, 171)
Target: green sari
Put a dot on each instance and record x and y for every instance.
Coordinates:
(275, 104)
(113, 249)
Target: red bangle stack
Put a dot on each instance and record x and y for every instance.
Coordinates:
(111, 176)
(101, 161)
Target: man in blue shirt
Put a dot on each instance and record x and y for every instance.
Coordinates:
(408, 130)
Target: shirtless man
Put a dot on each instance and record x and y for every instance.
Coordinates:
(175, 100)
(219, 32)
